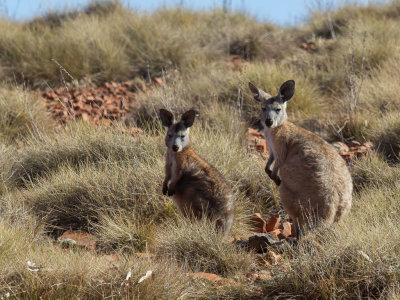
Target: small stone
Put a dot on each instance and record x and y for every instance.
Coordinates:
(114, 257)
(368, 145)
(252, 276)
(276, 234)
(78, 238)
(144, 255)
(273, 223)
(342, 147)
(207, 276)
(264, 275)
(354, 144)
(272, 258)
(261, 241)
(286, 230)
(242, 244)
(158, 81)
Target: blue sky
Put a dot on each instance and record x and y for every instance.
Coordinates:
(281, 12)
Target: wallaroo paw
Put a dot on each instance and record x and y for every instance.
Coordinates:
(277, 181)
(171, 192)
(164, 190)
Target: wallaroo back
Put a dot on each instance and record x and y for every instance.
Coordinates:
(315, 183)
(197, 187)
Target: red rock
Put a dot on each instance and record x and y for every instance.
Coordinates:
(354, 144)
(158, 81)
(286, 230)
(273, 258)
(252, 276)
(226, 282)
(261, 145)
(256, 141)
(264, 275)
(253, 132)
(276, 234)
(85, 116)
(361, 150)
(348, 156)
(273, 223)
(135, 131)
(78, 238)
(311, 45)
(342, 147)
(112, 257)
(303, 46)
(258, 223)
(368, 145)
(207, 276)
(237, 62)
(260, 242)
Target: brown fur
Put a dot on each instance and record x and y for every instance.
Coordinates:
(197, 187)
(315, 183)
(316, 186)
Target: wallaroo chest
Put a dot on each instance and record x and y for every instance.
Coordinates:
(177, 160)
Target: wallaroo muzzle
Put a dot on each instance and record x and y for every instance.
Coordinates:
(269, 122)
(175, 148)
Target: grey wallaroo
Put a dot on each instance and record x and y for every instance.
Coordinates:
(197, 187)
(315, 185)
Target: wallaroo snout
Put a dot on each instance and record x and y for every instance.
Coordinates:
(197, 187)
(314, 182)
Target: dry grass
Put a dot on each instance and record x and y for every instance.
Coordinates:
(69, 274)
(199, 246)
(119, 44)
(21, 116)
(108, 182)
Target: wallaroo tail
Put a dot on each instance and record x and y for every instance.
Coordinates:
(197, 187)
(314, 182)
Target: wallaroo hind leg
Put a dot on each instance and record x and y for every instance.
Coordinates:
(297, 229)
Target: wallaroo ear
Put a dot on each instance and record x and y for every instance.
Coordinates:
(167, 118)
(188, 118)
(255, 91)
(286, 91)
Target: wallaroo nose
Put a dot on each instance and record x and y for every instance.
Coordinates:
(175, 148)
(268, 122)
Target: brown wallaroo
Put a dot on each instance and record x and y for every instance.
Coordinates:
(196, 186)
(315, 185)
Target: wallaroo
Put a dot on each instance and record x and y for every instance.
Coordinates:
(196, 186)
(314, 182)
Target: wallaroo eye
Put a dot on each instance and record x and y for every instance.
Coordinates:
(263, 108)
(169, 135)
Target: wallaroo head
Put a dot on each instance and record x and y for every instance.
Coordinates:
(273, 109)
(177, 137)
